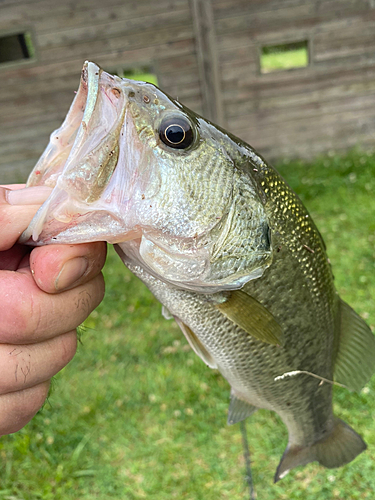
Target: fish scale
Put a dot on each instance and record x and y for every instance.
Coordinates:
(225, 245)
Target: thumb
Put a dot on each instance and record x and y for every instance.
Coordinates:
(17, 208)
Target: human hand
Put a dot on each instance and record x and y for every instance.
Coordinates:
(45, 293)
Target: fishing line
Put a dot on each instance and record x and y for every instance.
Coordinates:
(322, 379)
(246, 454)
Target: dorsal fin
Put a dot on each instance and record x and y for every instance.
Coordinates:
(196, 344)
(239, 409)
(355, 359)
(250, 315)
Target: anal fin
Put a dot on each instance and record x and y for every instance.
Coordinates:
(239, 409)
(355, 358)
(340, 447)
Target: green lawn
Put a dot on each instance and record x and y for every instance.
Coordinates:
(284, 57)
(138, 415)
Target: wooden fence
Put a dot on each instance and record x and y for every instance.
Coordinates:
(206, 53)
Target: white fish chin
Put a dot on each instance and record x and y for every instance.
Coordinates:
(189, 271)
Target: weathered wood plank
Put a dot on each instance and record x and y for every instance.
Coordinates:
(208, 60)
(296, 82)
(18, 132)
(284, 25)
(359, 61)
(256, 22)
(25, 90)
(16, 171)
(247, 52)
(299, 112)
(340, 43)
(116, 45)
(48, 81)
(269, 118)
(289, 143)
(280, 102)
(316, 126)
(225, 8)
(123, 27)
(49, 15)
(137, 57)
(176, 63)
(171, 81)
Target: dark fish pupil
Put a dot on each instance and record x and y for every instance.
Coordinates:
(175, 134)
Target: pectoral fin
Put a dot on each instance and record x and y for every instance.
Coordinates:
(239, 409)
(196, 344)
(250, 315)
(355, 359)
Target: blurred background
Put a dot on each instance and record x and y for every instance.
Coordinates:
(137, 414)
(294, 78)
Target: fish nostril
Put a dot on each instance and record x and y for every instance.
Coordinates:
(131, 94)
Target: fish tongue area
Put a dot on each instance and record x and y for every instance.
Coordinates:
(53, 159)
(88, 134)
(94, 155)
(93, 158)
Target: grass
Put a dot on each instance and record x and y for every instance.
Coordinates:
(137, 415)
(284, 57)
(143, 76)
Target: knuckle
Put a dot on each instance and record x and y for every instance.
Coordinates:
(21, 316)
(90, 296)
(68, 348)
(16, 368)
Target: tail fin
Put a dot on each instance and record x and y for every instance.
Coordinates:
(340, 447)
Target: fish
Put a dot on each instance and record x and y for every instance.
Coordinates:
(222, 242)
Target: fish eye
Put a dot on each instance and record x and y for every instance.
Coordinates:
(176, 132)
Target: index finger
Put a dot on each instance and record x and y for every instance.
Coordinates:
(13, 187)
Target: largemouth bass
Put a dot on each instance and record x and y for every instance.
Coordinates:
(223, 243)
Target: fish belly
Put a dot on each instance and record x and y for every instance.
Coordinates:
(251, 366)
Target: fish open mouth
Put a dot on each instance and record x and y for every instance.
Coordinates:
(79, 162)
(95, 111)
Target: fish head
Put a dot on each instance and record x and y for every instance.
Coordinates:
(134, 167)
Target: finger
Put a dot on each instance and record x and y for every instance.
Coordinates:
(18, 408)
(35, 315)
(35, 195)
(13, 186)
(24, 366)
(60, 267)
(17, 208)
